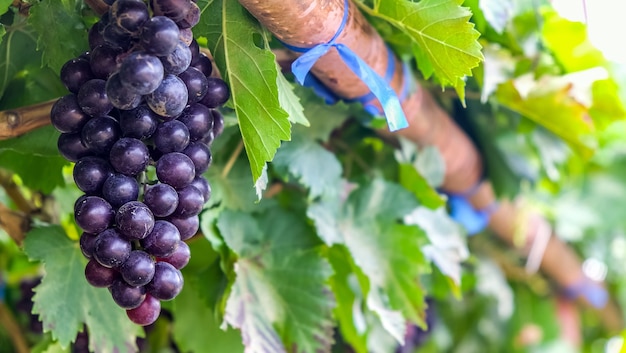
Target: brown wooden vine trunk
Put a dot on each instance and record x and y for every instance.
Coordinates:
(307, 23)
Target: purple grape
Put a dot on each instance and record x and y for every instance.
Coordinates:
(203, 185)
(187, 227)
(174, 9)
(104, 60)
(138, 269)
(198, 119)
(217, 93)
(92, 98)
(185, 35)
(170, 98)
(141, 72)
(196, 83)
(129, 156)
(87, 244)
(111, 248)
(139, 123)
(192, 18)
(100, 276)
(75, 73)
(66, 115)
(146, 313)
(163, 239)
(180, 257)
(175, 169)
(178, 60)
(119, 189)
(71, 147)
(162, 199)
(96, 35)
(121, 96)
(90, 174)
(127, 296)
(134, 220)
(116, 36)
(93, 214)
(99, 134)
(204, 64)
(159, 35)
(200, 155)
(171, 136)
(166, 283)
(190, 202)
(218, 123)
(129, 15)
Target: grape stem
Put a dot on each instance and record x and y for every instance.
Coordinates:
(14, 192)
(232, 159)
(16, 122)
(98, 6)
(13, 329)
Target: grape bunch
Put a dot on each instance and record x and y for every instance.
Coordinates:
(138, 124)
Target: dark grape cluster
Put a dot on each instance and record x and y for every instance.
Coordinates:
(138, 124)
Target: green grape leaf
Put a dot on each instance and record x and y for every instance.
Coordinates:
(324, 118)
(4, 7)
(252, 74)
(498, 13)
(416, 183)
(280, 297)
(313, 166)
(289, 100)
(65, 301)
(17, 51)
(387, 252)
(446, 42)
(61, 32)
(31, 167)
(39, 142)
(233, 190)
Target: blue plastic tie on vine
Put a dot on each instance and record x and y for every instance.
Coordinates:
(2, 289)
(388, 99)
(462, 211)
(591, 291)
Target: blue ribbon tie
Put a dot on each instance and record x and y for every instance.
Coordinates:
(379, 88)
(591, 291)
(461, 210)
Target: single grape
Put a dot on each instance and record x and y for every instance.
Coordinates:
(87, 244)
(129, 156)
(159, 35)
(174, 9)
(139, 123)
(99, 134)
(170, 98)
(218, 123)
(125, 295)
(66, 115)
(134, 220)
(196, 83)
(75, 73)
(96, 35)
(171, 136)
(178, 60)
(166, 283)
(200, 155)
(195, 51)
(175, 169)
(204, 64)
(198, 120)
(111, 248)
(100, 276)
(104, 60)
(192, 18)
(190, 202)
(119, 189)
(121, 96)
(129, 15)
(90, 174)
(141, 72)
(180, 257)
(185, 35)
(162, 199)
(138, 269)
(92, 98)
(217, 93)
(71, 147)
(93, 214)
(187, 227)
(203, 185)
(117, 37)
(146, 313)
(163, 239)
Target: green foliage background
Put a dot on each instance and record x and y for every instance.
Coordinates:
(352, 236)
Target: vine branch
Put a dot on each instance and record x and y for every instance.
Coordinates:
(13, 329)
(232, 159)
(16, 122)
(15, 223)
